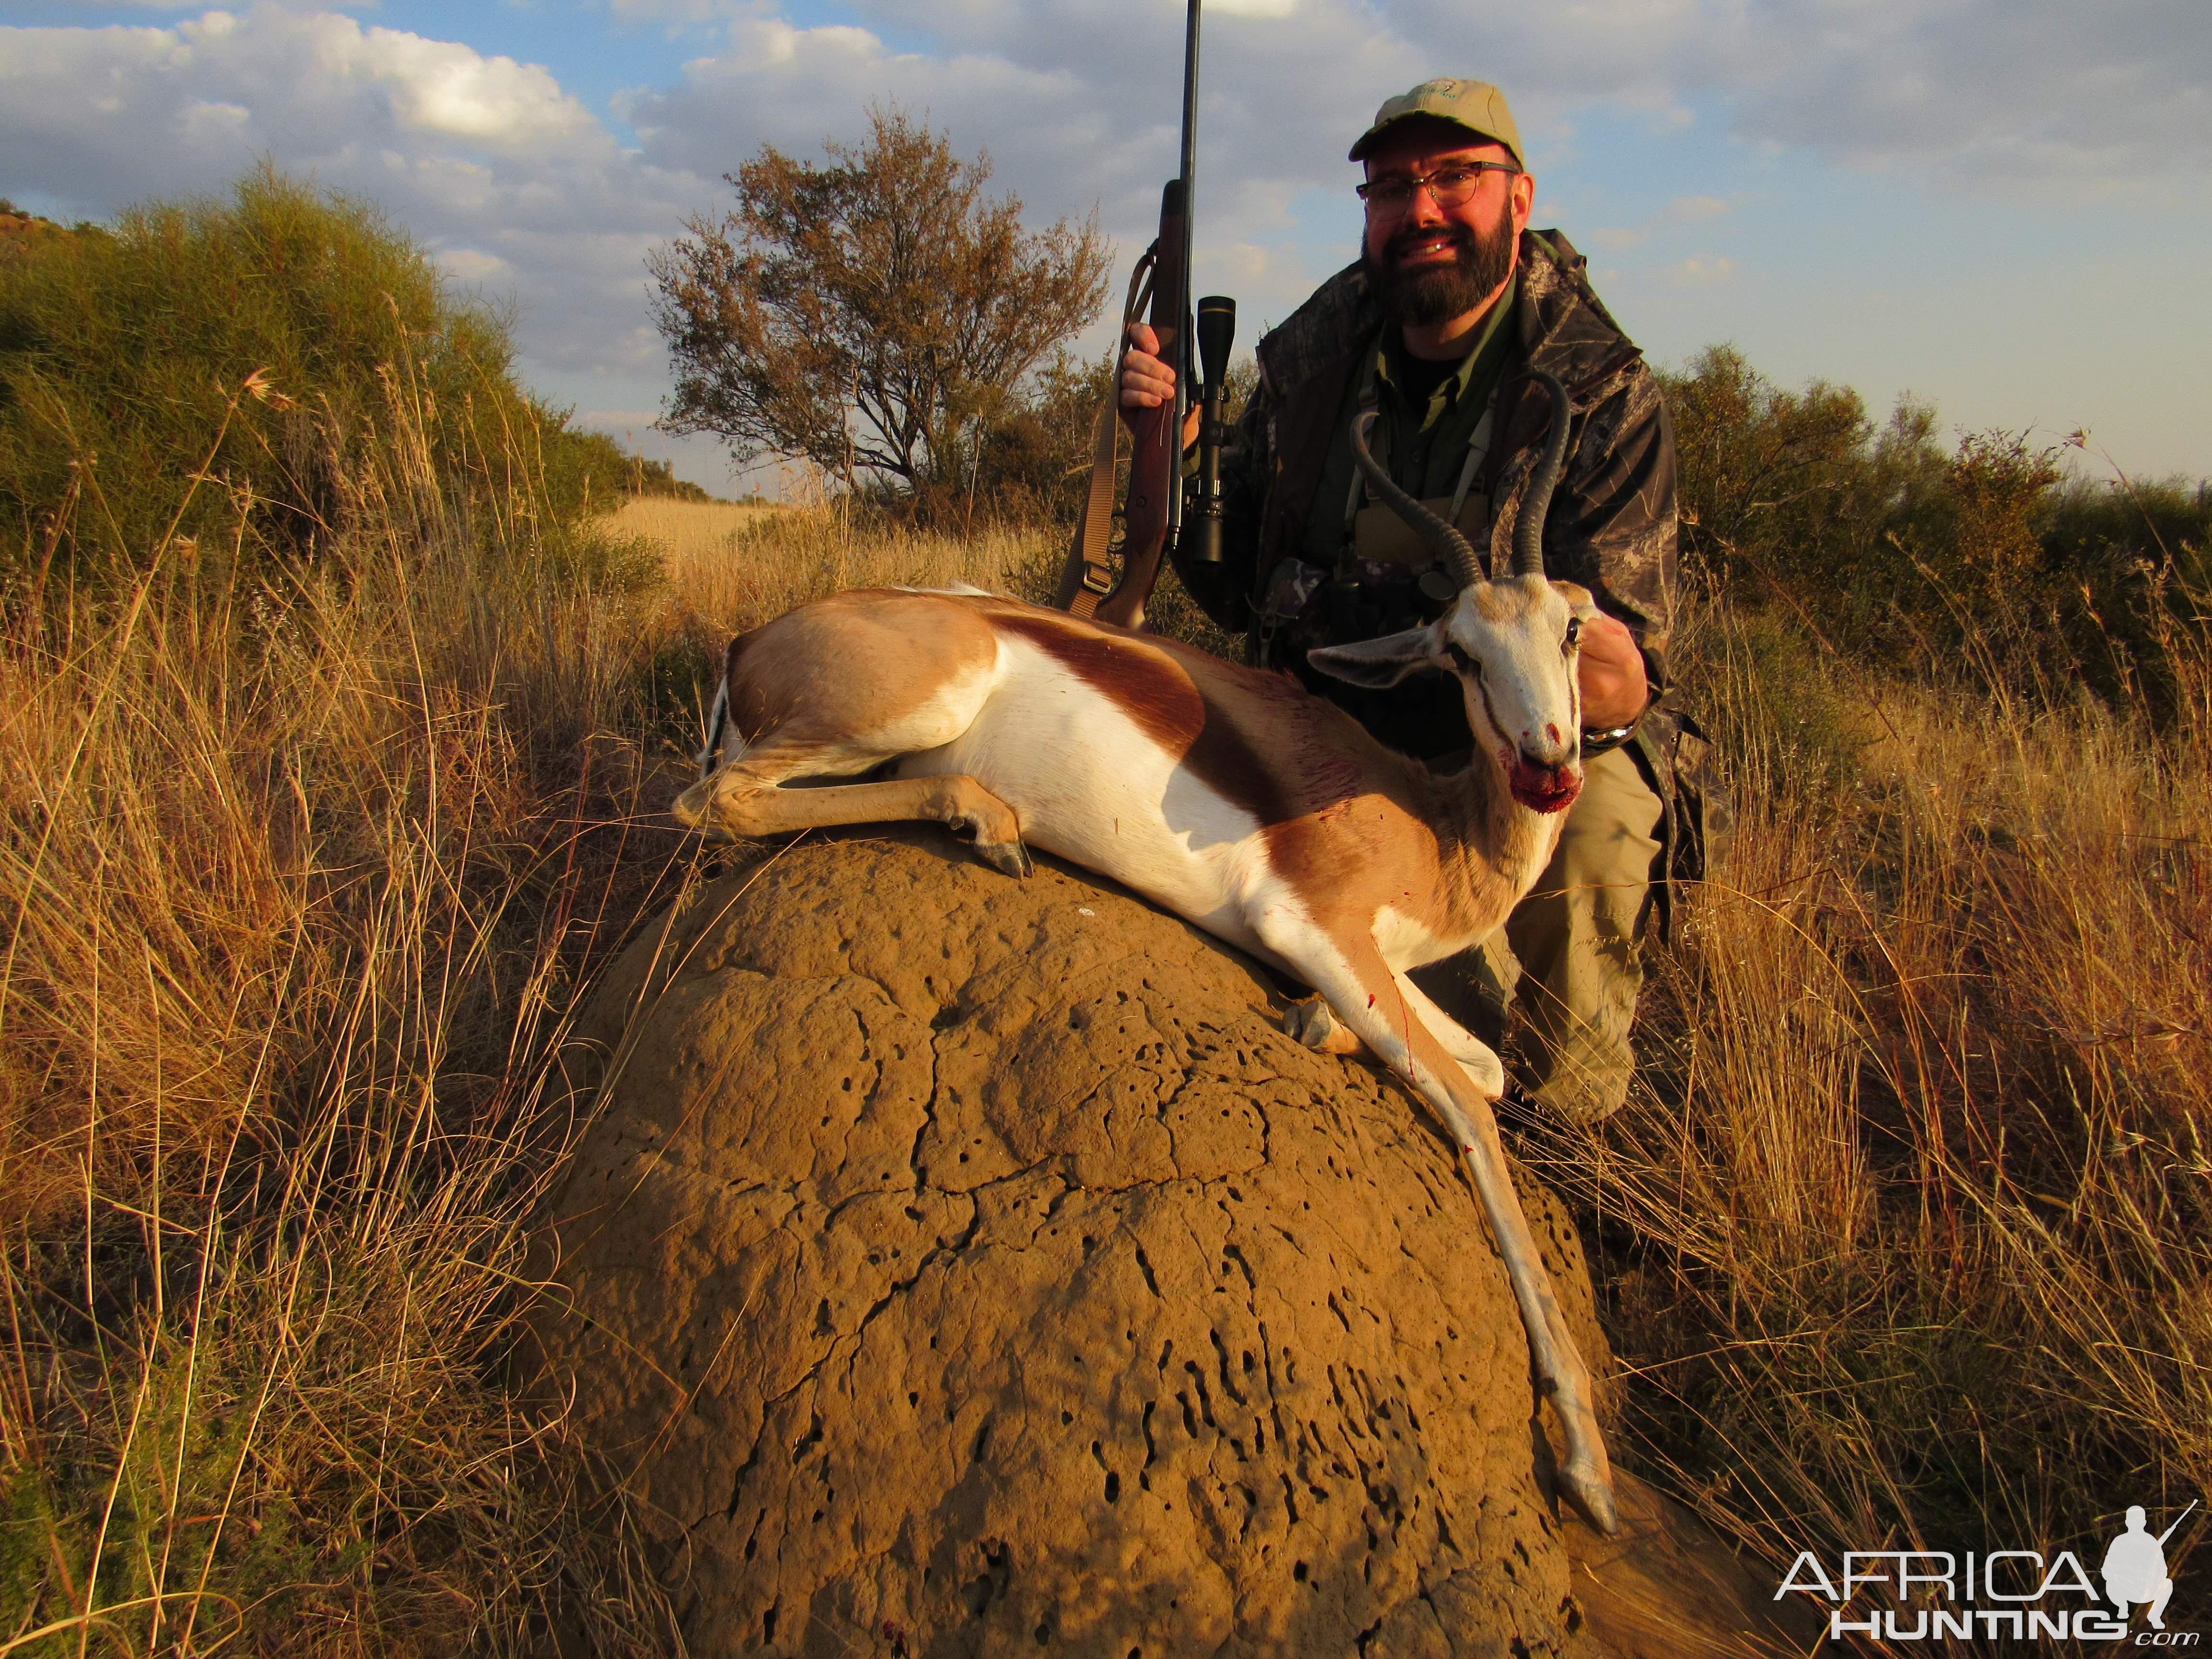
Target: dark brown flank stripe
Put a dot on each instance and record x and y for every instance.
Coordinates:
(1167, 704)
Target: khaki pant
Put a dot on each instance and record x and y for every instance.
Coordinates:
(1570, 950)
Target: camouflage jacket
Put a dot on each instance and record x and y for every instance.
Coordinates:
(1611, 527)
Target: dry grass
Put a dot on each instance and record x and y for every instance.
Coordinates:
(1907, 1229)
(687, 531)
(301, 885)
(779, 560)
(1904, 1237)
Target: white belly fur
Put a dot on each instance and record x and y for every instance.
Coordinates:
(1090, 787)
(1405, 941)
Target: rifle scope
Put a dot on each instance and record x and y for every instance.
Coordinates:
(1201, 542)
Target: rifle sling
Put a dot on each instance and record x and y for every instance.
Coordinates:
(1086, 558)
(1088, 578)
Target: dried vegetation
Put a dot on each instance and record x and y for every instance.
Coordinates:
(304, 866)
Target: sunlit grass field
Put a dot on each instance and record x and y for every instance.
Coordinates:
(685, 531)
(1903, 1238)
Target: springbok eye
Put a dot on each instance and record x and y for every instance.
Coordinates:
(1574, 629)
(1460, 661)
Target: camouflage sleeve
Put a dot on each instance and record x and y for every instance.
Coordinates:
(1225, 594)
(1611, 525)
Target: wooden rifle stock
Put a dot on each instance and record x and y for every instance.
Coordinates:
(1152, 512)
(1088, 586)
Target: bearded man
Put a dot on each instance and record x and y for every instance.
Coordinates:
(1453, 304)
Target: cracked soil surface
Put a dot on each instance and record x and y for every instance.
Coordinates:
(968, 1267)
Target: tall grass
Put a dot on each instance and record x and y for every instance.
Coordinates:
(1902, 1235)
(302, 876)
(771, 561)
(1907, 1229)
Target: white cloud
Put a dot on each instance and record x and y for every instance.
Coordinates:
(1976, 91)
(1681, 210)
(1689, 209)
(516, 185)
(2019, 90)
(510, 181)
(469, 264)
(1972, 91)
(440, 87)
(1699, 271)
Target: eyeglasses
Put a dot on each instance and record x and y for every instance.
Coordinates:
(1451, 186)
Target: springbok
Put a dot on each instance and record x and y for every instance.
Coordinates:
(1234, 798)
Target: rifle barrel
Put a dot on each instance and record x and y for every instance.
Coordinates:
(2177, 1520)
(1189, 197)
(1190, 96)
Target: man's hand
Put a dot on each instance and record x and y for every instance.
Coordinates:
(1611, 674)
(1146, 382)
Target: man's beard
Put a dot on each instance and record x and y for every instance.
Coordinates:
(1481, 261)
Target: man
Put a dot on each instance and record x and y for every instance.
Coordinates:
(2135, 1570)
(1453, 301)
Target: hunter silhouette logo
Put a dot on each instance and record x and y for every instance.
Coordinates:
(2134, 1566)
(2020, 1595)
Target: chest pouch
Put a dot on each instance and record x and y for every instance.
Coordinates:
(1374, 533)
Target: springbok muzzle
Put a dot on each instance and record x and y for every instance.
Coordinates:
(1543, 788)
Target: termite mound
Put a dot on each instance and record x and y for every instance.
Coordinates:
(961, 1265)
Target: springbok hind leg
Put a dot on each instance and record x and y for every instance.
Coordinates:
(745, 800)
(1364, 993)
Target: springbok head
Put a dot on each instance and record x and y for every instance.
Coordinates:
(1512, 640)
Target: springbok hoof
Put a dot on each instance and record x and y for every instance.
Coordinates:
(695, 810)
(1008, 858)
(1592, 1494)
(694, 805)
(1316, 1028)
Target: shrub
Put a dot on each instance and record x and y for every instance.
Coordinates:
(1980, 564)
(122, 354)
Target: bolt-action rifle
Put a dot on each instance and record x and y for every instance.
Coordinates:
(1153, 516)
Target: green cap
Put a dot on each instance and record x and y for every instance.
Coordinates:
(1475, 104)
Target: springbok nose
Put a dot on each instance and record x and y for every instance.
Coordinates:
(1547, 751)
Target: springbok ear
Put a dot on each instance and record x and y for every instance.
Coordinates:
(1377, 665)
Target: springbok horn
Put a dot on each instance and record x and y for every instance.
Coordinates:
(1443, 539)
(1529, 528)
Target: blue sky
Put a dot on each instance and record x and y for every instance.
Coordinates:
(2001, 206)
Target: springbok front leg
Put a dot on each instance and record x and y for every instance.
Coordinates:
(747, 798)
(1364, 995)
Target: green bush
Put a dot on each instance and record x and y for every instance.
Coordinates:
(223, 366)
(1982, 561)
(593, 472)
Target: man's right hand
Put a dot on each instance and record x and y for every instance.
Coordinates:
(1147, 382)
